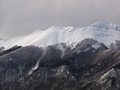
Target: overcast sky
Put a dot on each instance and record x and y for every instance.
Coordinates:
(21, 17)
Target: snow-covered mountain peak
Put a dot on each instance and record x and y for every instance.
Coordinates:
(107, 26)
(105, 33)
(99, 24)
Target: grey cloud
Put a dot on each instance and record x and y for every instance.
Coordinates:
(20, 17)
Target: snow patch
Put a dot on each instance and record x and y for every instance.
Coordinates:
(60, 47)
(96, 46)
(36, 65)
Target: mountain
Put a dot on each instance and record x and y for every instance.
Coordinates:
(102, 32)
(62, 58)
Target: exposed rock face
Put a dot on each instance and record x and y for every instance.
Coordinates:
(110, 80)
(1, 49)
(88, 66)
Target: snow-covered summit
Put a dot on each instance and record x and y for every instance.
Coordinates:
(105, 33)
(107, 26)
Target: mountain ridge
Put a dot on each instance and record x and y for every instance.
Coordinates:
(62, 58)
(106, 33)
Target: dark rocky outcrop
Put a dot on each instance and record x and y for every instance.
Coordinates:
(88, 66)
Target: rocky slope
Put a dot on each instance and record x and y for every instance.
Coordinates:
(86, 65)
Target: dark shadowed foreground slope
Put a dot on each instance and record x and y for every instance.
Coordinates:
(88, 66)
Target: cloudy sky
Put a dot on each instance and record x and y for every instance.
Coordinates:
(21, 17)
